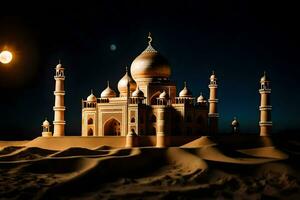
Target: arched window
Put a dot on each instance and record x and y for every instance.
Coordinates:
(90, 121)
(90, 132)
(112, 128)
(132, 120)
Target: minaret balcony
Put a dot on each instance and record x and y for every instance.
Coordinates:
(267, 107)
(265, 91)
(213, 114)
(59, 77)
(59, 93)
(265, 123)
(59, 108)
(213, 85)
(213, 100)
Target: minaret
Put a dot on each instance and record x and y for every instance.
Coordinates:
(235, 126)
(163, 120)
(59, 107)
(46, 129)
(265, 107)
(213, 114)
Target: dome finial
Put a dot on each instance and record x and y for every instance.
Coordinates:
(58, 66)
(184, 83)
(107, 83)
(91, 91)
(150, 38)
(213, 72)
(264, 78)
(126, 69)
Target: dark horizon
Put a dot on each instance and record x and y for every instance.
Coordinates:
(239, 40)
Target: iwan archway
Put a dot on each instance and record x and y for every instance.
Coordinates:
(112, 128)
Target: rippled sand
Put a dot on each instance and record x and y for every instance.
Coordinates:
(201, 169)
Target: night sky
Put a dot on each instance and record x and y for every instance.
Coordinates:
(239, 40)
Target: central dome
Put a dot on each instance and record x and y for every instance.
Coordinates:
(150, 65)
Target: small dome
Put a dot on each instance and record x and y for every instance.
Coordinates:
(201, 99)
(213, 76)
(264, 78)
(164, 95)
(122, 84)
(150, 65)
(108, 92)
(185, 92)
(46, 123)
(138, 93)
(234, 122)
(58, 66)
(91, 98)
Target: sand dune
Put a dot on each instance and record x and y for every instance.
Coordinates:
(103, 147)
(214, 154)
(265, 152)
(25, 153)
(202, 141)
(76, 151)
(202, 168)
(8, 150)
(4, 144)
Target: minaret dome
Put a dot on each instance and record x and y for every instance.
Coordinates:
(138, 93)
(108, 92)
(185, 92)
(91, 97)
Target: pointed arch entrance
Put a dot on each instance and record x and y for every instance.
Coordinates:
(112, 128)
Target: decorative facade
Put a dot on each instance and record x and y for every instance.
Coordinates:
(147, 103)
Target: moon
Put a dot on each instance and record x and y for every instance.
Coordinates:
(113, 47)
(6, 57)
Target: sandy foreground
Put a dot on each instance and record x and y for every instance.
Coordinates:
(202, 169)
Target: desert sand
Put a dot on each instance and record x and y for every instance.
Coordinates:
(206, 168)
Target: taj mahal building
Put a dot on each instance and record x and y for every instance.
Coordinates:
(147, 103)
